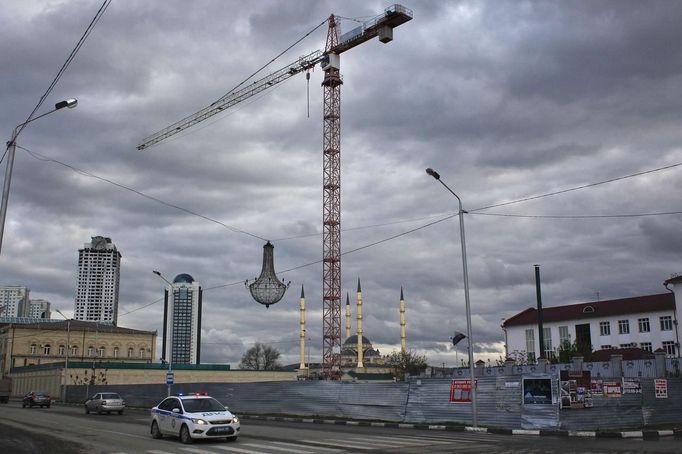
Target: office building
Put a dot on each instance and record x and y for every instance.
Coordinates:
(14, 301)
(99, 271)
(38, 308)
(182, 321)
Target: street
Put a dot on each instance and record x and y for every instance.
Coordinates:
(67, 429)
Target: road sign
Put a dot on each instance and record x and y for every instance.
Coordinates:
(169, 378)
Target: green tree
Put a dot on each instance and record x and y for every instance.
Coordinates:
(260, 357)
(406, 363)
(567, 350)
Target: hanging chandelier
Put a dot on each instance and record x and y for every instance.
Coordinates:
(267, 289)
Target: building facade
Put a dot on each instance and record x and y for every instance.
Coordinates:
(646, 322)
(14, 300)
(39, 308)
(26, 344)
(182, 321)
(99, 272)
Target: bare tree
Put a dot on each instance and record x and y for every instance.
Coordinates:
(406, 363)
(260, 357)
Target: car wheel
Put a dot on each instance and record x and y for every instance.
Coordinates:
(185, 437)
(156, 433)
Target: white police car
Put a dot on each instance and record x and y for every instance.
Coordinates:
(193, 416)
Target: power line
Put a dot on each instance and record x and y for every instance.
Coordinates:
(580, 216)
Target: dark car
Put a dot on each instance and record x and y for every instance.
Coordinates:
(36, 399)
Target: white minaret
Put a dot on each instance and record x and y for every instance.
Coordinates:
(403, 336)
(359, 329)
(347, 315)
(301, 305)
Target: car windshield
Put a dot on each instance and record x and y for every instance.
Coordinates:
(110, 396)
(202, 404)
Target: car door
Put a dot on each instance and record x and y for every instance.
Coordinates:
(92, 402)
(164, 417)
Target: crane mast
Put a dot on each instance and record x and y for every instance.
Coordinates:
(382, 26)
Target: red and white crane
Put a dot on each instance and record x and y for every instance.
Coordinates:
(329, 60)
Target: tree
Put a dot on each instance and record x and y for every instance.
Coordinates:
(260, 357)
(405, 363)
(567, 350)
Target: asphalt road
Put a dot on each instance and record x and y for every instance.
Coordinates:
(67, 430)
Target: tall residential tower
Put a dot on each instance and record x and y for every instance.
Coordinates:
(182, 321)
(99, 273)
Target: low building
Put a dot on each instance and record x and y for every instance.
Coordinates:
(49, 341)
(645, 322)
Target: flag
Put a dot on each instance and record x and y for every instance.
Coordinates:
(457, 337)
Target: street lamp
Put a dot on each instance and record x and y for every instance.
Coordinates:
(474, 409)
(68, 346)
(170, 334)
(11, 149)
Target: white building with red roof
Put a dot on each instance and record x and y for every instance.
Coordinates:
(647, 322)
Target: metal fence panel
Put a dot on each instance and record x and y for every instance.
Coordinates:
(657, 411)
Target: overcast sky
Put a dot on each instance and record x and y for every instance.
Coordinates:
(506, 100)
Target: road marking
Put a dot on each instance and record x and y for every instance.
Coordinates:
(388, 441)
(297, 450)
(316, 448)
(338, 443)
(154, 451)
(360, 443)
(197, 450)
(231, 449)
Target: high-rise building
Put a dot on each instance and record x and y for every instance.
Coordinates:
(38, 308)
(99, 272)
(14, 301)
(182, 321)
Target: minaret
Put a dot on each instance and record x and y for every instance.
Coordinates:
(347, 316)
(403, 336)
(301, 305)
(359, 315)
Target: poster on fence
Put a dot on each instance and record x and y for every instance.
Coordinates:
(632, 386)
(661, 388)
(538, 391)
(611, 388)
(576, 389)
(460, 391)
(597, 387)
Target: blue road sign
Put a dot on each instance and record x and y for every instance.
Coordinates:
(169, 378)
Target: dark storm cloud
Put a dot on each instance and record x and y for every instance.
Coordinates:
(505, 99)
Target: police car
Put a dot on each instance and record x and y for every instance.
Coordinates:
(193, 416)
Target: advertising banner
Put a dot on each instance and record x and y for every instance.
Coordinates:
(661, 388)
(537, 391)
(632, 386)
(576, 389)
(460, 391)
(611, 388)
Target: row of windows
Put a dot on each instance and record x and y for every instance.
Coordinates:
(33, 349)
(666, 324)
(668, 346)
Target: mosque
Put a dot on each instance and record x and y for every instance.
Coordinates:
(359, 361)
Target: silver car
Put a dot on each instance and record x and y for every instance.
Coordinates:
(105, 403)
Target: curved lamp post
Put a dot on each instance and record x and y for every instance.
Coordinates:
(474, 409)
(11, 149)
(68, 346)
(170, 331)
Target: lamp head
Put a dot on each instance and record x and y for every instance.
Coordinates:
(158, 273)
(433, 173)
(70, 103)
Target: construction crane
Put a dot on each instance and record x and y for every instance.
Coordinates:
(329, 60)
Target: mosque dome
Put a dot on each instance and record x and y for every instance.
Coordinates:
(353, 340)
(183, 278)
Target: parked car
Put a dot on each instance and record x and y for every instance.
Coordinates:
(105, 403)
(36, 399)
(193, 416)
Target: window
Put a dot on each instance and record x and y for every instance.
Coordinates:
(115, 352)
(46, 349)
(91, 350)
(34, 349)
(130, 352)
(643, 325)
(563, 335)
(549, 352)
(646, 346)
(606, 347)
(530, 344)
(623, 326)
(62, 350)
(604, 328)
(142, 353)
(100, 352)
(669, 347)
(666, 323)
(74, 350)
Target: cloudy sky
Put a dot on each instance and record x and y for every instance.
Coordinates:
(506, 100)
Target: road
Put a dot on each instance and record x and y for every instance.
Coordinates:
(68, 430)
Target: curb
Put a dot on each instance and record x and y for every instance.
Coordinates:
(637, 434)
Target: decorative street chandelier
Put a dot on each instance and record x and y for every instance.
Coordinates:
(267, 289)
